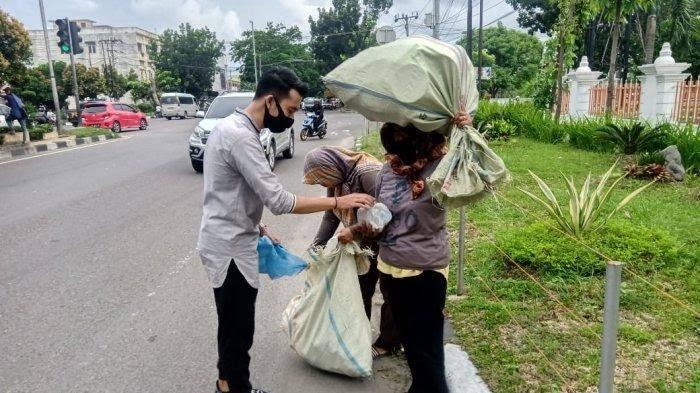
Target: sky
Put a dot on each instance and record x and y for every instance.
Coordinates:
(228, 18)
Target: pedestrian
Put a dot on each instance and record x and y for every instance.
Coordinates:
(17, 112)
(342, 172)
(414, 251)
(238, 182)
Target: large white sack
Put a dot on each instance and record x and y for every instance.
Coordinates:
(326, 324)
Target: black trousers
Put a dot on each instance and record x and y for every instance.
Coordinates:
(235, 307)
(417, 304)
(388, 334)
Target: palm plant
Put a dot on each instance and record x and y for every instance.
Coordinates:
(585, 205)
(633, 138)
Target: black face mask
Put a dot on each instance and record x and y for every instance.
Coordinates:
(277, 123)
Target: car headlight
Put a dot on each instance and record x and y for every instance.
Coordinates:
(199, 132)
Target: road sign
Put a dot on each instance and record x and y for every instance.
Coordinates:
(385, 34)
(486, 72)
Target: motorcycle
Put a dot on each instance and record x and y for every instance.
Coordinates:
(309, 127)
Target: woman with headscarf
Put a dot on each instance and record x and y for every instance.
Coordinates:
(344, 172)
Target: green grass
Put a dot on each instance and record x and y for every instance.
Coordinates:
(86, 132)
(522, 340)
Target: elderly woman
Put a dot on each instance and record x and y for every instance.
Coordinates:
(344, 172)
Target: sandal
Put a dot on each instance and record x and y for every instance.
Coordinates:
(376, 354)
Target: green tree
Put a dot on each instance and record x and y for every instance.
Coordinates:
(343, 30)
(90, 81)
(167, 82)
(36, 88)
(277, 45)
(536, 15)
(116, 84)
(15, 49)
(516, 57)
(190, 54)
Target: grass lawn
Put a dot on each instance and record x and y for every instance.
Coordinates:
(521, 339)
(86, 132)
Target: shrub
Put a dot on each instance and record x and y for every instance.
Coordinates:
(687, 140)
(583, 134)
(648, 158)
(585, 206)
(498, 129)
(633, 138)
(529, 121)
(542, 248)
(146, 107)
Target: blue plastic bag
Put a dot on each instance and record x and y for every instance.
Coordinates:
(276, 261)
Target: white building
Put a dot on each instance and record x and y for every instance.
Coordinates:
(125, 48)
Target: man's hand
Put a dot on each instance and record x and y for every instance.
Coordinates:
(367, 230)
(346, 236)
(462, 119)
(355, 200)
(265, 232)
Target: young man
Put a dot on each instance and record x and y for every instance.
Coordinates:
(238, 182)
(17, 112)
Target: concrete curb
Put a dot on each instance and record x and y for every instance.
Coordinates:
(37, 148)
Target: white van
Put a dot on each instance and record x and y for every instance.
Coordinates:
(178, 105)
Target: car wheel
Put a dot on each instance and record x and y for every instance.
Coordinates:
(304, 134)
(116, 127)
(272, 156)
(197, 165)
(168, 117)
(142, 124)
(289, 153)
(185, 116)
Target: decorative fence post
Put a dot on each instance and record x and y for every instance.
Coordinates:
(580, 83)
(659, 86)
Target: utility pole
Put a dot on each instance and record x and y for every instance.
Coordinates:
(54, 91)
(436, 19)
(481, 41)
(470, 30)
(255, 66)
(405, 19)
(75, 76)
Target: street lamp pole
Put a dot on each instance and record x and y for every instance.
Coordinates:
(54, 91)
(255, 66)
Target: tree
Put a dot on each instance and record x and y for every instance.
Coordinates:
(15, 49)
(167, 82)
(90, 81)
(344, 30)
(277, 45)
(516, 57)
(536, 15)
(36, 88)
(116, 84)
(190, 54)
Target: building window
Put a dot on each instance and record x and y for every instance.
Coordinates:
(92, 47)
(140, 47)
(82, 24)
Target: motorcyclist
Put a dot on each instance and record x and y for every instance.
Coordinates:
(318, 111)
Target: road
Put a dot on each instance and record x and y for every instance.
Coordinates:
(100, 286)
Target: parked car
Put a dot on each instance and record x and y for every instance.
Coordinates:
(327, 104)
(113, 115)
(178, 105)
(223, 106)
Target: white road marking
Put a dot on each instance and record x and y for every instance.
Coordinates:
(66, 150)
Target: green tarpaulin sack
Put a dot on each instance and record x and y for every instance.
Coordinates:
(423, 81)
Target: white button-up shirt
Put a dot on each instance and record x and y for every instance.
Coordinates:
(238, 182)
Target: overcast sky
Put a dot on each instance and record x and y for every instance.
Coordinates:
(229, 17)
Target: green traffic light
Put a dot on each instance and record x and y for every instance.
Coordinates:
(65, 48)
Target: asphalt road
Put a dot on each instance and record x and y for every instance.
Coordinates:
(100, 286)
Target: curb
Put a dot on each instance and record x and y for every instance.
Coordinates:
(358, 143)
(50, 146)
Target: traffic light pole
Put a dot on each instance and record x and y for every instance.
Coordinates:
(75, 76)
(54, 91)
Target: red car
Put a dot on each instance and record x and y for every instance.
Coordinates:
(114, 115)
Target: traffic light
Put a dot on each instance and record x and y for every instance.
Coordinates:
(75, 38)
(63, 35)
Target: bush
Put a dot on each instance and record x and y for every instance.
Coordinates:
(540, 247)
(648, 158)
(529, 121)
(146, 107)
(583, 134)
(498, 129)
(634, 137)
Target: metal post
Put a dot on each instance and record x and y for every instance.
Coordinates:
(608, 351)
(255, 67)
(436, 19)
(461, 251)
(54, 91)
(469, 30)
(481, 42)
(75, 76)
